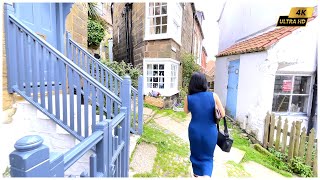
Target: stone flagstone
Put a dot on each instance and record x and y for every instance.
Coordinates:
(143, 158)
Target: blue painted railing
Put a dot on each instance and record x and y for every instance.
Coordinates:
(111, 158)
(109, 79)
(28, 56)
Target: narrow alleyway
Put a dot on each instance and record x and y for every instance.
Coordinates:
(225, 164)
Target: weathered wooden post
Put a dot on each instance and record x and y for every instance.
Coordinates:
(140, 104)
(30, 159)
(126, 102)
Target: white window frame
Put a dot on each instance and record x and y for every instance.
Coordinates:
(168, 62)
(288, 113)
(174, 19)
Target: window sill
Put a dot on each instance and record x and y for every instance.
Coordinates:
(163, 92)
(163, 37)
(303, 115)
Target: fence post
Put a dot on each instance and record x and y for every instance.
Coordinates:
(126, 102)
(103, 149)
(10, 55)
(140, 105)
(30, 159)
(68, 36)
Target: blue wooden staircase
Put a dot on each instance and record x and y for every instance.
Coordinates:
(119, 105)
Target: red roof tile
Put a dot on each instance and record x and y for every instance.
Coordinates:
(259, 43)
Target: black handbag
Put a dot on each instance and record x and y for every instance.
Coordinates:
(224, 140)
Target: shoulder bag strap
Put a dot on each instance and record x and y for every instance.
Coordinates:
(226, 132)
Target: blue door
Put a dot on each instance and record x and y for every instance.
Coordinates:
(233, 71)
(41, 18)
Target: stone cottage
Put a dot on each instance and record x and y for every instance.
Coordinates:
(154, 36)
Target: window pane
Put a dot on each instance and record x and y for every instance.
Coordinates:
(283, 84)
(157, 4)
(280, 103)
(149, 72)
(149, 67)
(155, 85)
(161, 73)
(161, 66)
(299, 104)
(157, 11)
(164, 29)
(302, 84)
(152, 21)
(158, 30)
(164, 10)
(149, 85)
(151, 11)
(155, 79)
(164, 20)
(158, 21)
(155, 66)
(149, 79)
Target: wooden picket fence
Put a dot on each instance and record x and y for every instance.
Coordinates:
(276, 136)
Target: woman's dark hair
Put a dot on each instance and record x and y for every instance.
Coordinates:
(198, 83)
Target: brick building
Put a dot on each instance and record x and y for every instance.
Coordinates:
(204, 56)
(154, 36)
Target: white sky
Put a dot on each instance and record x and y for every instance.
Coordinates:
(211, 10)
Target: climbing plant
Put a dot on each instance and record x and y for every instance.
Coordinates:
(189, 66)
(95, 33)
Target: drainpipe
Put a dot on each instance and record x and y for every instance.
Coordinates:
(314, 97)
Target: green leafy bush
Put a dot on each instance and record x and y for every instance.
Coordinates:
(122, 68)
(297, 166)
(95, 33)
(189, 66)
(278, 154)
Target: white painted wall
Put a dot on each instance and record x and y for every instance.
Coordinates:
(241, 18)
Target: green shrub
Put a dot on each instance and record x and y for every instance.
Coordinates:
(95, 33)
(278, 154)
(122, 68)
(189, 66)
(297, 166)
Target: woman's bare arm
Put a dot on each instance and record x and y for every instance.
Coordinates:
(185, 108)
(219, 104)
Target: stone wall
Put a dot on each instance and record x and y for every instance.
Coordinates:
(77, 23)
(187, 29)
(119, 32)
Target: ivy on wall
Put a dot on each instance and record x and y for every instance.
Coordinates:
(95, 33)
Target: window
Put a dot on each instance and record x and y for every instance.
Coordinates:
(155, 76)
(161, 75)
(158, 18)
(291, 94)
(163, 21)
(174, 73)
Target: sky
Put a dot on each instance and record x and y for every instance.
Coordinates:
(211, 10)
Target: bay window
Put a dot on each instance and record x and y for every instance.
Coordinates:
(292, 94)
(163, 21)
(161, 75)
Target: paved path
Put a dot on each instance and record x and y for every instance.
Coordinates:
(221, 158)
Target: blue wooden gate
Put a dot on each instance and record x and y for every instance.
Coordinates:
(233, 71)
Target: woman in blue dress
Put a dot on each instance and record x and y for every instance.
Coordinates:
(202, 129)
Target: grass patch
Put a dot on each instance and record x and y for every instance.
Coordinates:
(251, 154)
(172, 158)
(236, 170)
(177, 116)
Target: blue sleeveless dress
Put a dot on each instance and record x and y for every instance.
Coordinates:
(202, 131)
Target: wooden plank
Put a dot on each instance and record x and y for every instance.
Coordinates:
(315, 166)
(291, 143)
(27, 56)
(86, 107)
(50, 75)
(272, 124)
(266, 130)
(296, 142)
(279, 125)
(71, 96)
(310, 147)
(284, 136)
(302, 143)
